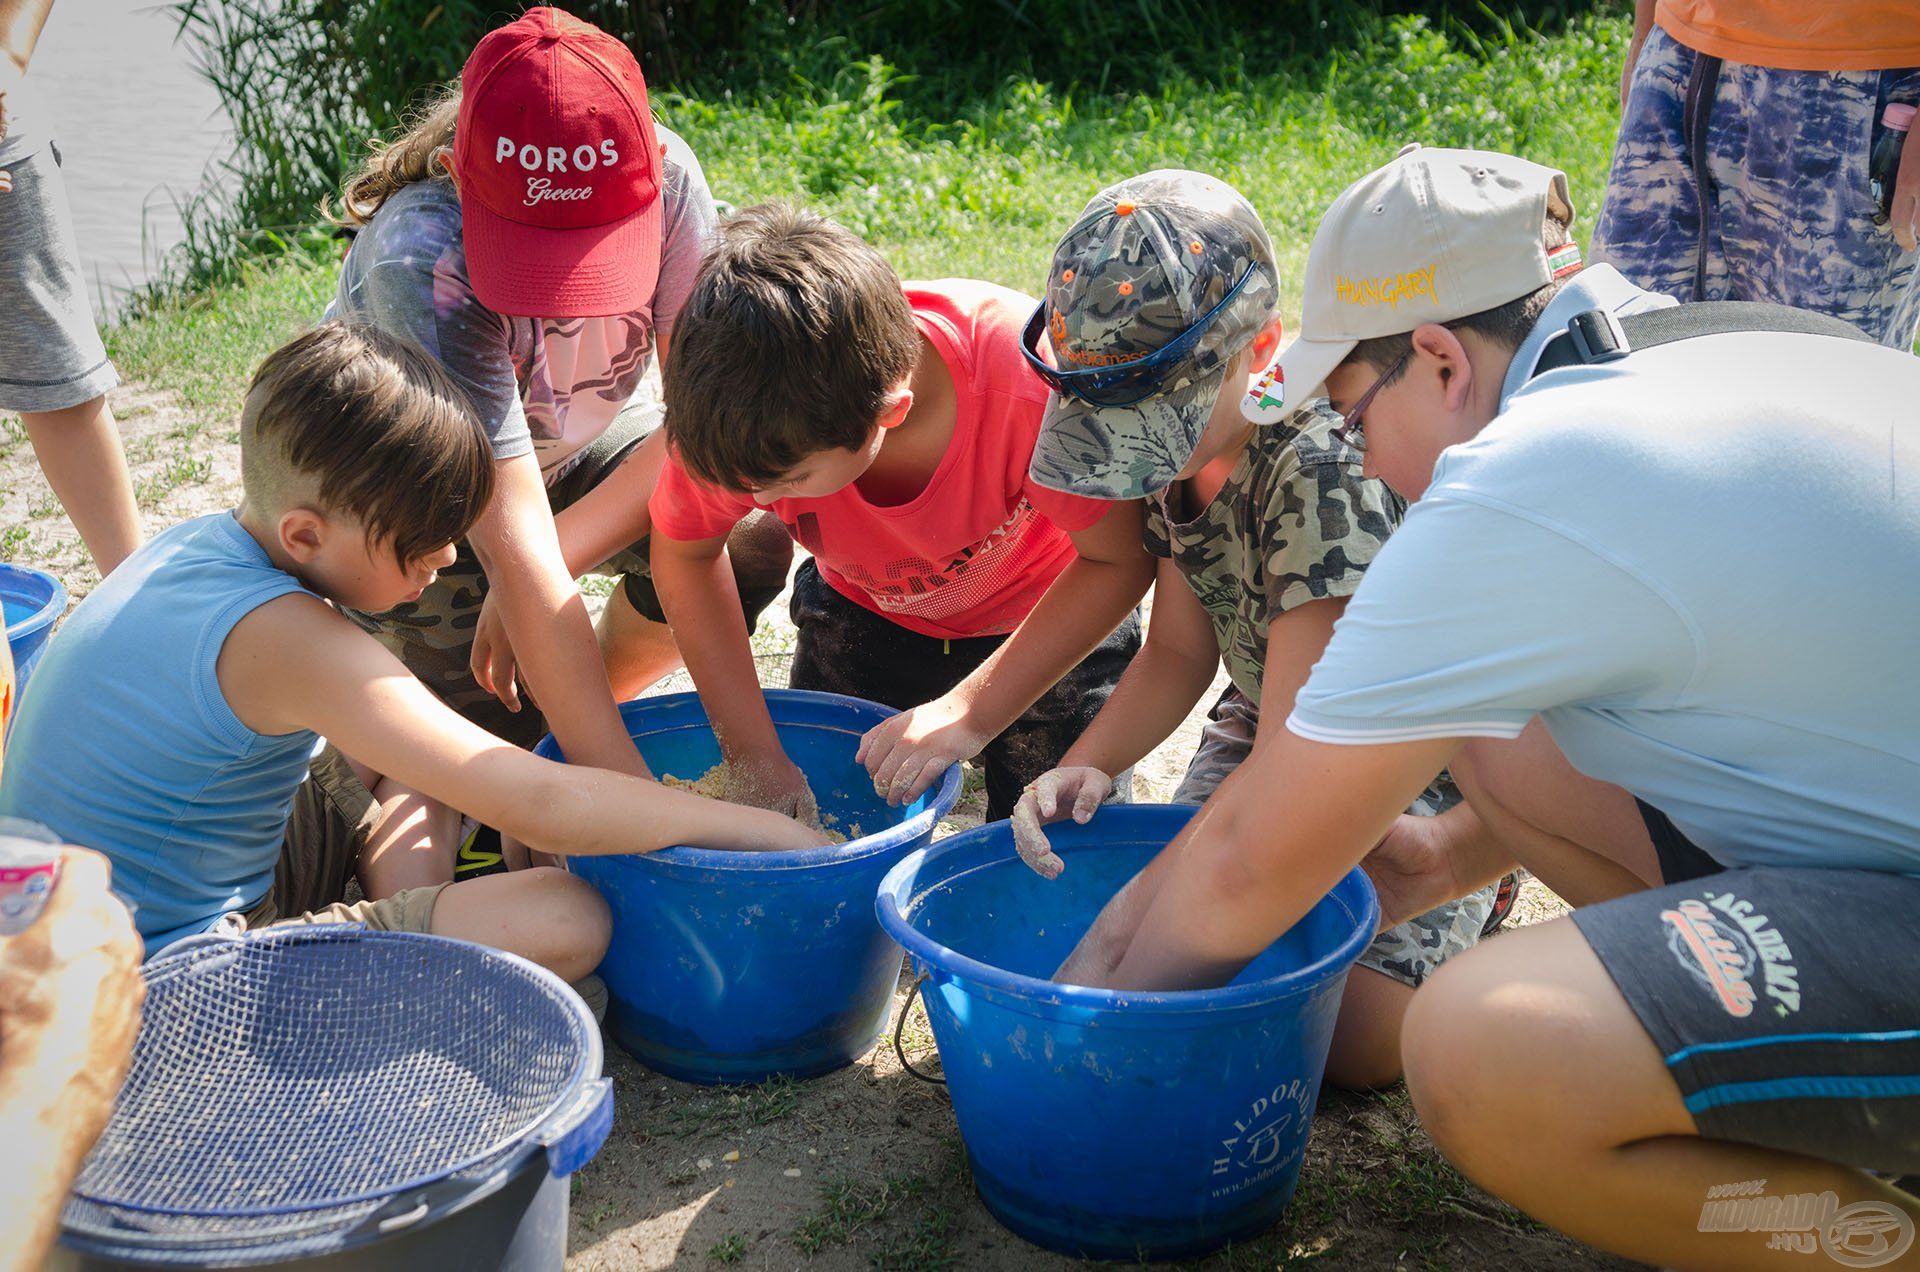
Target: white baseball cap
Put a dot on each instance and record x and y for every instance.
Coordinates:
(1432, 236)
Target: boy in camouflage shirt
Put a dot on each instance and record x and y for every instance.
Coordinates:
(1159, 306)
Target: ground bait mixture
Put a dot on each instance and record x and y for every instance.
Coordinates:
(720, 783)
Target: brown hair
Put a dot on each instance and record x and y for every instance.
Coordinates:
(1506, 325)
(414, 156)
(794, 337)
(369, 425)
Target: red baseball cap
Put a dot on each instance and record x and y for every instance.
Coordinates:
(559, 170)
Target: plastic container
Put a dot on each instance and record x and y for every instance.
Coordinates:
(29, 868)
(731, 967)
(333, 1098)
(32, 600)
(1107, 1124)
(6, 701)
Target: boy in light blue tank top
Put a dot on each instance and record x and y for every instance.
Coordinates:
(173, 721)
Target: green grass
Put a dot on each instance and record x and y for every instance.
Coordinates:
(205, 346)
(729, 1111)
(850, 1206)
(729, 1249)
(985, 194)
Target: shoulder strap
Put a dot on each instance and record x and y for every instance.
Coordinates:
(1597, 335)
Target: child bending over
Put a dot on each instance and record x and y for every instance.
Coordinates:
(177, 721)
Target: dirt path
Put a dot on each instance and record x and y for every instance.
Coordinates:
(862, 1168)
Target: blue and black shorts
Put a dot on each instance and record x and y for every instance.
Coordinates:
(1786, 1001)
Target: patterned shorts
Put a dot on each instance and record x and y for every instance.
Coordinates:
(1790, 213)
(1408, 953)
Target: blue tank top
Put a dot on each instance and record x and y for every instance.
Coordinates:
(125, 744)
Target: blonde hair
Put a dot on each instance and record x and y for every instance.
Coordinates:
(416, 155)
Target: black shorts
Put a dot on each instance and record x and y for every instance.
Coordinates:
(1786, 1002)
(1680, 858)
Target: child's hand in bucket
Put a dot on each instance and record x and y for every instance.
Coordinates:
(772, 782)
(1057, 793)
(907, 753)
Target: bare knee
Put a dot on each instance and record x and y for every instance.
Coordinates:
(1366, 1038)
(543, 914)
(566, 911)
(1449, 1040)
(761, 553)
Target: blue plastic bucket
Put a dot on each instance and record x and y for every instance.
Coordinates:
(332, 1099)
(1106, 1124)
(735, 966)
(32, 599)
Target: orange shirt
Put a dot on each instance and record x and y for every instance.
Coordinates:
(1799, 35)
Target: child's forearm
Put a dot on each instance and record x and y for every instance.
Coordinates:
(702, 601)
(553, 639)
(1082, 607)
(568, 810)
(546, 621)
(613, 515)
(1160, 686)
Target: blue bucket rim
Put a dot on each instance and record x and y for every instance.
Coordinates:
(182, 956)
(897, 893)
(686, 859)
(42, 617)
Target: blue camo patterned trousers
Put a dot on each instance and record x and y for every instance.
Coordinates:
(1791, 217)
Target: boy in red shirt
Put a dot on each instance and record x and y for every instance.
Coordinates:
(890, 430)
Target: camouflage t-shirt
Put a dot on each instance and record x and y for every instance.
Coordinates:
(1295, 522)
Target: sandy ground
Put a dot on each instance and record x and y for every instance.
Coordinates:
(862, 1168)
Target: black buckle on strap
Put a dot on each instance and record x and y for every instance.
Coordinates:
(1597, 337)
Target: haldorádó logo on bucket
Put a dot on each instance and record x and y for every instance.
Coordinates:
(1269, 1138)
(1866, 1234)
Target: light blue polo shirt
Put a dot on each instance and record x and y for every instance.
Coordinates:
(1699, 565)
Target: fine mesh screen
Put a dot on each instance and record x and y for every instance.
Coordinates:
(301, 1076)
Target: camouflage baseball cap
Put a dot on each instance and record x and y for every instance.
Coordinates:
(1146, 260)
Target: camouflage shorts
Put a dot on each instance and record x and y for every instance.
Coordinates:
(1790, 213)
(1408, 953)
(433, 636)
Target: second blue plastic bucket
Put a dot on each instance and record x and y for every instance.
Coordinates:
(32, 600)
(1106, 1124)
(733, 967)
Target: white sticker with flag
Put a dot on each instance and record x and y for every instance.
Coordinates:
(1266, 399)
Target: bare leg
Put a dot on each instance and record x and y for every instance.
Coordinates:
(1582, 838)
(638, 651)
(1536, 1080)
(542, 914)
(412, 846)
(79, 451)
(1366, 1038)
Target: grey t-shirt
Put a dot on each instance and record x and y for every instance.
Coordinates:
(545, 386)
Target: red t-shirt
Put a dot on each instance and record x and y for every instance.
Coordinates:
(972, 553)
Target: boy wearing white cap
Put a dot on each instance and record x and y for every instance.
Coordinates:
(1653, 606)
(1159, 306)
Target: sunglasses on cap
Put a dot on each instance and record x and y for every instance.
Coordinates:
(1125, 383)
